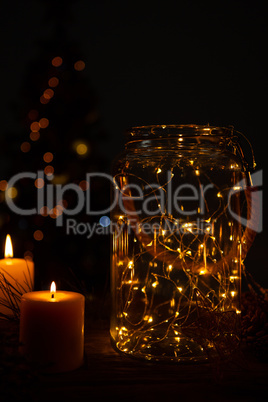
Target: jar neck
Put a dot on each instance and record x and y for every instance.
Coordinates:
(177, 137)
(176, 144)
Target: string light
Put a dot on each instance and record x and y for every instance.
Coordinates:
(195, 274)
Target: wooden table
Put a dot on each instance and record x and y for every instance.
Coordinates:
(106, 375)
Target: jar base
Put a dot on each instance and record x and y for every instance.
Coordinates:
(171, 349)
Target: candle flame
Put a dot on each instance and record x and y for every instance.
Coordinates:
(53, 288)
(8, 247)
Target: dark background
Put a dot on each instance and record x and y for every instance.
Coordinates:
(146, 63)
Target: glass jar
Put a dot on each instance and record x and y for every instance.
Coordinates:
(177, 243)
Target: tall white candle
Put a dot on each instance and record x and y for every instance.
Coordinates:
(16, 278)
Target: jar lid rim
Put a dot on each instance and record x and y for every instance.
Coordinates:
(162, 130)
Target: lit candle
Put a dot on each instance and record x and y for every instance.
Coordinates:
(16, 278)
(52, 329)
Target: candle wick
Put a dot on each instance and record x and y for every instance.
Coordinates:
(52, 296)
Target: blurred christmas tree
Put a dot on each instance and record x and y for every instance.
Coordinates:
(62, 138)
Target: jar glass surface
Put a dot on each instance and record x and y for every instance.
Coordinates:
(176, 260)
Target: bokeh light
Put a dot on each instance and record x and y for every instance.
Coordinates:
(34, 135)
(48, 157)
(104, 221)
(44, 100)
(3, 185)
(33, 114)
(57, 61)
(81, 149)
(25, 146)
(49, 170)
(53, 82)
(39, 183)
(44, 122)
(84, 185)
(48, 93)
(79, 65)
(35, 126)
(38, 235)
(11, 192)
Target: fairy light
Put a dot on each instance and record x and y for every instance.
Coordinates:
(195, 260)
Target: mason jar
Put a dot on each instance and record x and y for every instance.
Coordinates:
(177, 242)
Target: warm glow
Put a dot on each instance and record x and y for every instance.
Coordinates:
(53, 289)
(8, 247)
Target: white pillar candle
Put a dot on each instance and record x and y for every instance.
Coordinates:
(16, 278)
(52, 329)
